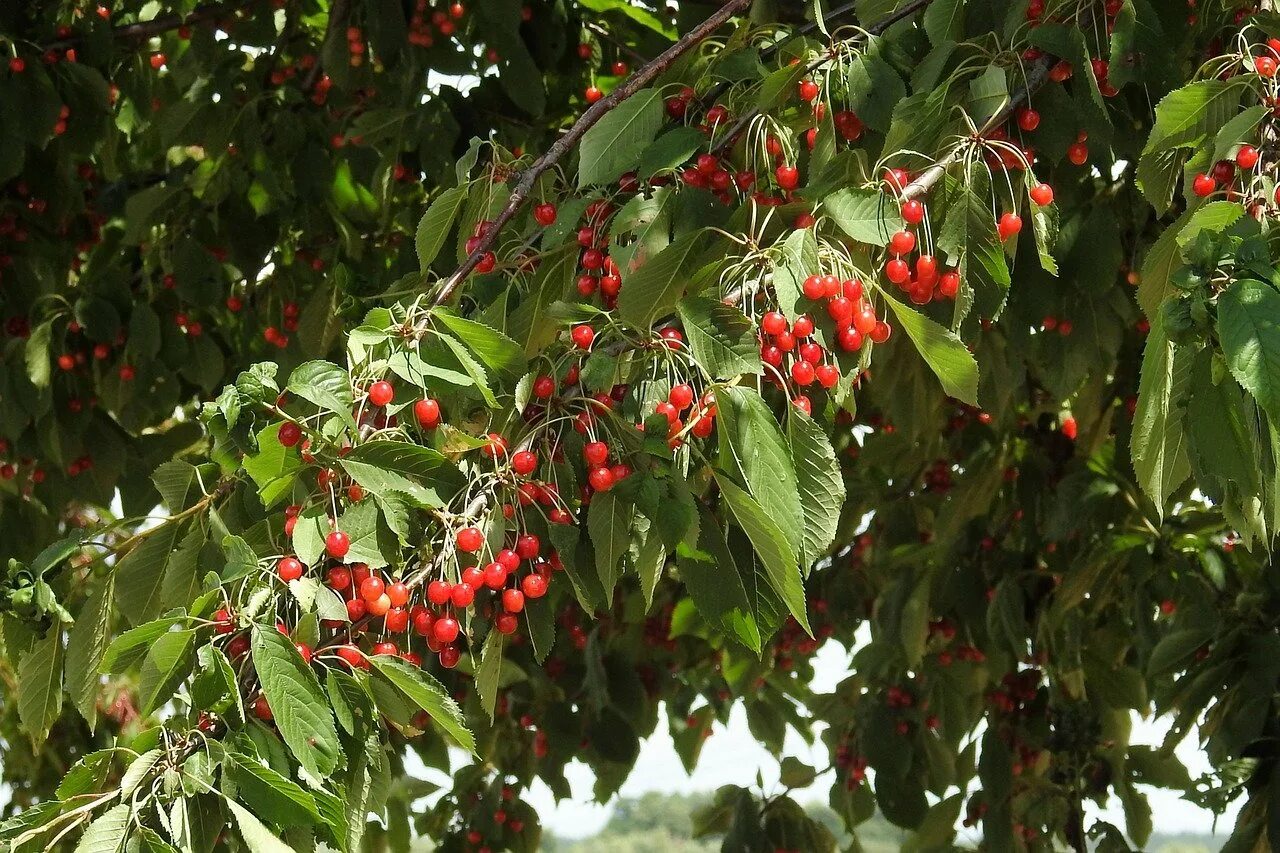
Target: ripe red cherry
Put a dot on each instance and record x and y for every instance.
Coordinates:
(398, 593)
(1028, 119)
(828, 375)
(788, 177)
(449, 657)
(1203, 185)
(1042, 194)
(1078, 153)
(802, 373)
(337, 544)
(808, 90)
(1247, 157)
(813, 288)
(427, 413)
(339, 578)
(304, 651)
(289, 569)
(469, 539)
(773, 323)
(527, 546)
(445, 630)
(157, 61)
(1265, 66)
(512, 600)
(438, 592)
(681, 396)
(462, 595)
(372, 588)
(802, 327)
(534, 586)
(17, 65)
(290, 434)
(222, 623)
(601, 479)
(902, 242)
(544, 387)
(261, 709)
(583, 336)
(545, 214)
(593, 94)
(495, 575)
(1009, 224)
(619, 68)
(596, 453)
(524, 462)
(381, 392)
(881, 332)
(897, 271)
(912, 212)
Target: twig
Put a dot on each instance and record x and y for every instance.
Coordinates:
(1035, 79)
(337, 18)
(562, 146)
(600, 31)
(162, 24)
(875, 29)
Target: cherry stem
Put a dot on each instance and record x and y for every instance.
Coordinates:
(642, 77)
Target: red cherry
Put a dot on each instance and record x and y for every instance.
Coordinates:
(788, 177)
(681, 396)
(828, 375)
(445, 629)
(381, 393)
(339, 578)
(524, 462)
(1078, 153)
(593, 94)
(544, 387)
(1042, 194)
(902, 242)
(528, 546)
(1265, 66)
(438, 592)
(512, 600)
(1009, 224)
(17, 65)
(881, 332)
(897, 271)
(289, 569)
(449, 657)
(803, 326)
(583, 336)
(398, 593)
(462, 595)
(337, 544)
(813, 287)
(372, 588)
(545, 214)
(773, 323)
(808, 90)
(534, 586)
(601, 479)
(912, 212)
(1247, 157)
(596, 453)
(802, 373)
(427, 413)
(1028, 119)
(261, 709)
(1203, 185)
(469, 539)
(304, 650)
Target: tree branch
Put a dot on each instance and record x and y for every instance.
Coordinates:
(562, 146)
(337, 18)
(163, 24)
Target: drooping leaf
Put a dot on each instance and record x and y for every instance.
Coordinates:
(299, 706)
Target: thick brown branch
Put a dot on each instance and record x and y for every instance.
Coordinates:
(640, 79)
(163, 24)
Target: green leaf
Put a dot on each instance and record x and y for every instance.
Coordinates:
(299, 706)
(1249, 328)
(86, 645)
(753, 448)
(428, 694)
(497, 352)
(1161, 261)
(969, 238)
(639, 14)
(108, 832)
(140, 573)
(40, 685)
(413, 461)
(609, 520)
(1185, 119)
(944, 21)
(670, 150)
(614, 144)
(273, 467)
(38, 356)
(257, 837)
(276, 798)
(988, 93)
(326, 385)
(779, 560)
(436, 223)
(488, 671)
(654, 290)
(1158, 442)
(868, 216)
(722, 338)
(942, 350)
(167, 664)
(819, 481)
(131, 646)
(178, 484)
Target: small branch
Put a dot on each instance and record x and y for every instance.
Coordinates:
(163, 24)
(601, 32)
(562, 146)
(736, 129)
(1035, 79)
(337, 18)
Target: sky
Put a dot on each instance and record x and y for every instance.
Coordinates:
(733, 756)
